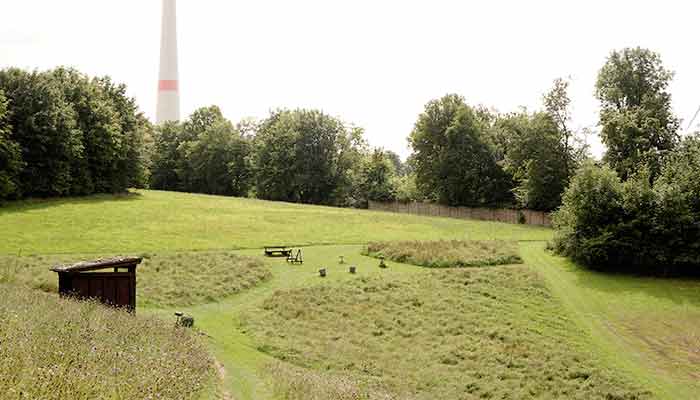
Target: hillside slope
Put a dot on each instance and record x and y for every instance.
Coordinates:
(157, 221)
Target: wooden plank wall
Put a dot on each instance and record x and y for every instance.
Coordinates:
(485, 214)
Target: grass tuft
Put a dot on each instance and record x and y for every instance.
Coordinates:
(55, 348)
(447, 254)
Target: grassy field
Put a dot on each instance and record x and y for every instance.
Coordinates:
(58, 349)
(490, 333)
(647, 326)
(632, 335)
(150, 221)
(447, 253)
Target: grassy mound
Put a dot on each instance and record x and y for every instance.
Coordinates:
(163, 280)
(447, 254)
(54, 348)
(482, 333)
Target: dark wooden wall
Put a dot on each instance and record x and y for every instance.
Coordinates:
(113, 288)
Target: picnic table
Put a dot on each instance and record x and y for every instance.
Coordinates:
(277, 251)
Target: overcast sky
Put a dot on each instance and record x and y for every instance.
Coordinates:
(373, 63)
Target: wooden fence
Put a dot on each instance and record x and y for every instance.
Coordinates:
(527, 217)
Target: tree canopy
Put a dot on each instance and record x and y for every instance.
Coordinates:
(204, 154)
(73, 133)
(305, 156)
(453, 162)
(638, 126)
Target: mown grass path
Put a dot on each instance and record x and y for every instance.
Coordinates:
(649, 328)
(619, 316)
(234, 349)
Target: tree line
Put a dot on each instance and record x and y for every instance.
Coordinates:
(65, 134)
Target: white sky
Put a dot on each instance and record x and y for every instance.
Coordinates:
(371, 62)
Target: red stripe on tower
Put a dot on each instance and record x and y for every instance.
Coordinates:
(168, 86)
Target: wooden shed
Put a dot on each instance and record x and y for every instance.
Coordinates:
(85, 279)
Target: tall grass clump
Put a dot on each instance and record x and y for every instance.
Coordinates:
(163, 280)
(53, 348)
(447, 253)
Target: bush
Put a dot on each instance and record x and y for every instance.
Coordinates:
(639, 225)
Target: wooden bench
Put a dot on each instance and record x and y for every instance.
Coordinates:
(277, 251)
(295, 259)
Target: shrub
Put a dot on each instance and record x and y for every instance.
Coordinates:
(638, 225)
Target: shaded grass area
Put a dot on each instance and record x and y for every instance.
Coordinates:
(54, 348)
(161, 221)
(467, 334)
(447, 253)
(163, 280)
(649, 327)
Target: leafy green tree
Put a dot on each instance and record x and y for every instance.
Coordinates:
(377, 178)
(406, 189)
(77, 135)
(557, 104)
(218, 159)
(204, 154)
(10, 155)
(44, 125)
(587, 221)
(400, 167)
(453, 162)
(638, 126)
(134, 128)
(641, 225)
(97, 122)
(536, 157)
(166, 157)
(304, 156)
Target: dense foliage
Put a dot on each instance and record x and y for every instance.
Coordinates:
(641, 210)
(637, 224)
(535, 156)
(204, 154)
(76, 135)
(10, 154)
(376, 178)
(453, 161)
(305, 156)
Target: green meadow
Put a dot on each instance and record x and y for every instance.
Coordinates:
(542, 329)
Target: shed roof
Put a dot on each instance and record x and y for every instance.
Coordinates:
(99, 264)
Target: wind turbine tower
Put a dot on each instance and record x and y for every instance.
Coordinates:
(168, 108)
